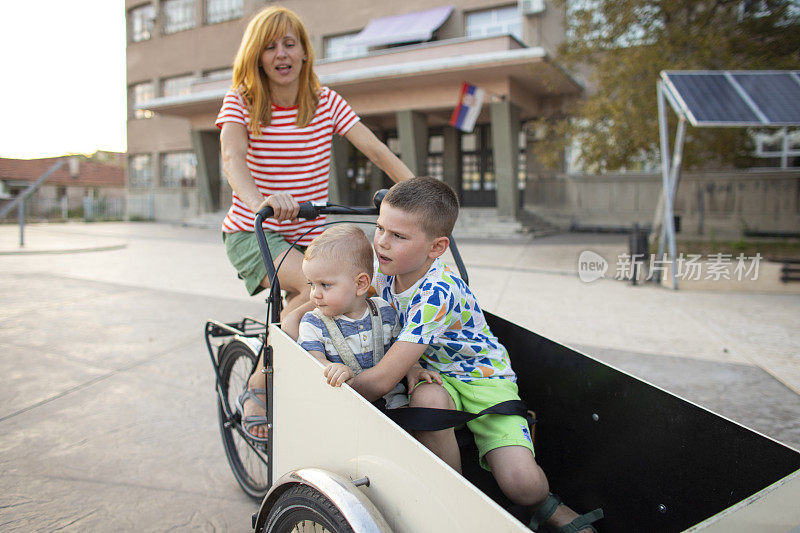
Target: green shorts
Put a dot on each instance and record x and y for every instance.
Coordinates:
(490, 431)
(245, 256)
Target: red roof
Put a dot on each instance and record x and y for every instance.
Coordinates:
(91, 174)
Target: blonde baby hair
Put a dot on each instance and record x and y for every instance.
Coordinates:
(343, 244)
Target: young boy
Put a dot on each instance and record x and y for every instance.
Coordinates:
(347, 331)
(445, 330)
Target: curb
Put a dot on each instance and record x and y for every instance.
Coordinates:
(65, 251)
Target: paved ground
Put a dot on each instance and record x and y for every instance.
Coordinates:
(108, 419)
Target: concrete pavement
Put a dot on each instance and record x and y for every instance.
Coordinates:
(108, 417)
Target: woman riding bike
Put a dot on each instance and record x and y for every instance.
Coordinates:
(277, 129)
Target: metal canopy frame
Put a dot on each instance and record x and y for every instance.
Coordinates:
(737, 105)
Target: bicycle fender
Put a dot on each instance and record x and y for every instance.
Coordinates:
(356, 507)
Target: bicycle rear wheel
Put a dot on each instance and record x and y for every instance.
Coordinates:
(248, 460)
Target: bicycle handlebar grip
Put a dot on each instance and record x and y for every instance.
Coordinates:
(307, 210)
(266, 212)
(378, 198)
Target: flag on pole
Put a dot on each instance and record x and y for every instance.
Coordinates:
(469, 105)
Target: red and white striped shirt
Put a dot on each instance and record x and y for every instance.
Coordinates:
(285, 158)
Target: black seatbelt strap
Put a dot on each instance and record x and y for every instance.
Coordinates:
(429, 419)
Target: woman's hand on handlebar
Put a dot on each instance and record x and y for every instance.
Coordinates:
(285, 207)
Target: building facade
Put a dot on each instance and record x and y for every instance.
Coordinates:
(82, 187)
(400, 66)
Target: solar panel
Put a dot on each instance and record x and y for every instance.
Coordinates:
(776, 94)
(739, 98)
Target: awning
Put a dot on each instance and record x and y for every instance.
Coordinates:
(407, 28)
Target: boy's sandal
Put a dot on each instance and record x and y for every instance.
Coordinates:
(252, 421)
(546, 510)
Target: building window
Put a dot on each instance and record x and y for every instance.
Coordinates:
(140, 172)
(775, 143)
(470, 162)
(338, 47)
(141, 21)
(178, 15)
(218, 74)
(359, 173)
(780, 148)
(436, 156)
(522, 161)
(142, 92)
(178, 169)
(497, 21)
(476, 165)
(222, 10)
(177, 86)
(393, 143)
(213, 79)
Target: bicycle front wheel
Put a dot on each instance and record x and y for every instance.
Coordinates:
(248, 460)
(303, 508)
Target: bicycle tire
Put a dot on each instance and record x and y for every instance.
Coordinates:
(303, 508)
(248, 461)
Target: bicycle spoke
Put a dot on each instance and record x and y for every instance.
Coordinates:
(255, 463)
(309, 526)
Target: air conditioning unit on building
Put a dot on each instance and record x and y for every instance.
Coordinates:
(531, 7)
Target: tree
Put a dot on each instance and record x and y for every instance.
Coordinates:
(624, 44)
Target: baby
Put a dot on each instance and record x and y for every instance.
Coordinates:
(348, 331)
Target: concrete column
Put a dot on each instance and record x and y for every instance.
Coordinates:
(505, 141)
(412, 132)
(199, 13)
(158, 28)
(207, 150)
(337, 180)
(450, 158)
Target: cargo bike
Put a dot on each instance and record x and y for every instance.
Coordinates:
(334, 462)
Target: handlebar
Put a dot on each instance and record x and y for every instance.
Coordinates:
(311, 210)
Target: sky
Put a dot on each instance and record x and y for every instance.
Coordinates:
(62, 77)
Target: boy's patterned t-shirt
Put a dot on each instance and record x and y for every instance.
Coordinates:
(441, 311)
